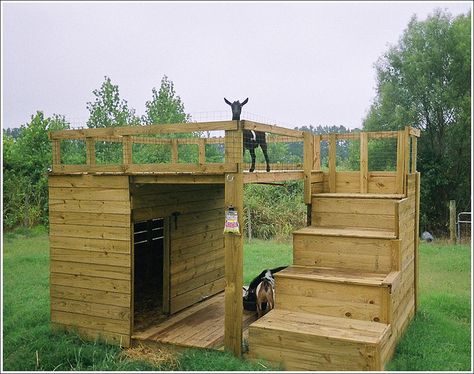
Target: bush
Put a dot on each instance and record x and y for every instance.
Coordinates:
(275, 211)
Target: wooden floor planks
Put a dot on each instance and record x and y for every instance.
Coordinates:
(201, 325)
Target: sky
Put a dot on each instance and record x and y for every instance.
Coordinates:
(299, 63)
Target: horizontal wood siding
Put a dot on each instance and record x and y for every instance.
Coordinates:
(361, 302)
(349, 182)
(90, 241)
(344, 212)
(365, 254)
(196, 236)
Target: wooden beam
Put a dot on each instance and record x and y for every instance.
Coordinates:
(273, 176)
(179, 179)
(308, 148)
(364, 163)
(356, 135)
(273, 129)
(332, 163)
(142, 130)
(234, 190)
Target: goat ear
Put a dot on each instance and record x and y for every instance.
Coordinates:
(245, 101)
(227, 101)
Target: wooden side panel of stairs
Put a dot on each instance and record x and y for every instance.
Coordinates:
(350, 293)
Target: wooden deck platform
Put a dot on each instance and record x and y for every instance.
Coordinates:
(201, 326)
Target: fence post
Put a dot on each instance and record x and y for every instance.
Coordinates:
(452, 221)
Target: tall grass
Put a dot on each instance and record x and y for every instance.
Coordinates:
(275, 211)
(437, 339)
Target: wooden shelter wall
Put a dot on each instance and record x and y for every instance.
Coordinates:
(90, 241)
(196, 236)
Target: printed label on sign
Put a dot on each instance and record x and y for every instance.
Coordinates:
(231, 222)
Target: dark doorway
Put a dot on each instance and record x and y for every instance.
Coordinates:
(150, 283)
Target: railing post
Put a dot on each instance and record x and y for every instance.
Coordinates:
(414, 142)
(406, 156)
(399, 180)
(332, 163)
(56, 154)
(234, 244)
(317, 152)
(307, 165)
(364, 162)
(174, 151)
(126, 151)
(90, 151)
(202, 151)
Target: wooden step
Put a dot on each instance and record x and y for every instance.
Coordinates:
(360, 195)
(302, 341)
(354, 210)
(346, 232)
(373, 254)
(333, 292)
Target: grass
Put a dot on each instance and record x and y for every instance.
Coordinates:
(438, 339)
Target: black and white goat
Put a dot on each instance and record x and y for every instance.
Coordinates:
(252, 139)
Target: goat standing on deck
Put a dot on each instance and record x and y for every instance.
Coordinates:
(252, 139)
(265, 294)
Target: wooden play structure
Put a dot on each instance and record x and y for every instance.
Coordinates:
(138, 252)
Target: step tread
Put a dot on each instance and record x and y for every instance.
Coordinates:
(359, 195)
(336, 275)
(346, 231)
(337, 328)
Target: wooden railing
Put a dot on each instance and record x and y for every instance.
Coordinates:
(406, 147)
(310, 169)
(130, 135)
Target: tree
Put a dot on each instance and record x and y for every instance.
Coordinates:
(165, 105)
(108, 110)
(424, 81)
(25, 165)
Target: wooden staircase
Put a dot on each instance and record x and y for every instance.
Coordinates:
(351, 290)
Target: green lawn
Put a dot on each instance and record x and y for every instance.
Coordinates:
(438, 339)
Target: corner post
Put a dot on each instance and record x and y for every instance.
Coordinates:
(233, 244)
